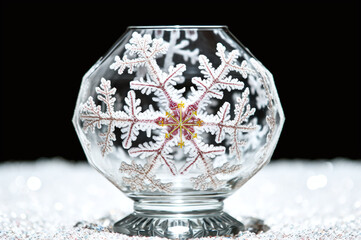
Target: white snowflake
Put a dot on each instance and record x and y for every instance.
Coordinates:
(180, 121)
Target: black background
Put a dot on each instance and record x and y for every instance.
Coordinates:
(311, 47)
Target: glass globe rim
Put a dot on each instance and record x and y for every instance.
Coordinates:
(172, 27)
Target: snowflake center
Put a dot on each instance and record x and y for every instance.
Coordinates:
(182, 123)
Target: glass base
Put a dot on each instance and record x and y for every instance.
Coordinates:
(179, 226)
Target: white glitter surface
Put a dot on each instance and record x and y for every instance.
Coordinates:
(296, 199)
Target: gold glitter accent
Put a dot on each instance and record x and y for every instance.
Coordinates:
(181, 124)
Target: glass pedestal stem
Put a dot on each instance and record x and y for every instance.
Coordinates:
(179, 221)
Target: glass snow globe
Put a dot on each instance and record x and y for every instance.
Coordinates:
(178, 118)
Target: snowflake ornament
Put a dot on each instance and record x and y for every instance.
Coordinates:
(180, 121)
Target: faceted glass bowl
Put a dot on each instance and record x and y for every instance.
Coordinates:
(178, 118)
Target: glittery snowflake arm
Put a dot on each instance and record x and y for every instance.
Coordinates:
(139, 46)
(204, 181)
(142, 177)
(199, 151)
(156, 153)
(163, 86)
(200, 154)
(131, 120)
(180, 48)
(216, 80)
(145, 49)
(137, 120)
(270, 119)
(221, 124)
(139, 176)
